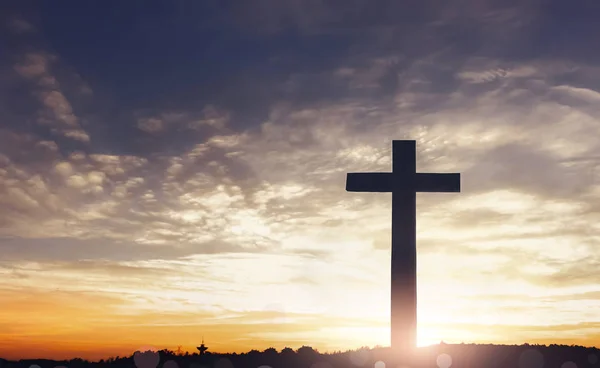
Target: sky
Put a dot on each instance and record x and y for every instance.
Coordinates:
(173, 170)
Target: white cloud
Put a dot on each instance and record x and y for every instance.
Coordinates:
(150, 125)
(61, 108)
(584, 94)
(117, 165)
(77, 156)
(64, 168)
(211, 116)
(58, 112)
(34, 66)
(77, 181)
(52, 146)
(77, 134)
(96, 177)
(18, 198)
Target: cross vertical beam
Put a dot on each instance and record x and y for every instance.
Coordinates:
(403, 309)
(403, 182)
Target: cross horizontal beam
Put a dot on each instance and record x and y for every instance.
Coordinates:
(389, 182)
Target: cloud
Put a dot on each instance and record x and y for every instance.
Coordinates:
(584, 94)
(61, 108)
(110, 249)
(20, 26)
(151, 125)
(318, 141)
(58, 112)
(209, 116)
(34, 65)
(213, 117)
(50, 145)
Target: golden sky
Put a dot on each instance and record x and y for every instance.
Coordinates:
(142, 208)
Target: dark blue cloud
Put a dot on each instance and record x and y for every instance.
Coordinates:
(152, 55)
(156, 56)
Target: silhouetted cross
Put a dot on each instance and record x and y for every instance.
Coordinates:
(403, 182)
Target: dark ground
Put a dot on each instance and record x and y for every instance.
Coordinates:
(462, 355)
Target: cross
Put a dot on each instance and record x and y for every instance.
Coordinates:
(403, 182)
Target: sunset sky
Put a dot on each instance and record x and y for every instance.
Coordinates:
(176, 169)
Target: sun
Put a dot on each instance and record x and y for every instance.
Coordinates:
(380, 336)
(426, 337)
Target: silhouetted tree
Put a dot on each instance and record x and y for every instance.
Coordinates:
(463, 355)
(287, 351)
(306, 350)
(254, 353)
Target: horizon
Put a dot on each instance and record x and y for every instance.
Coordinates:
(176, 169)
(421, 349)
